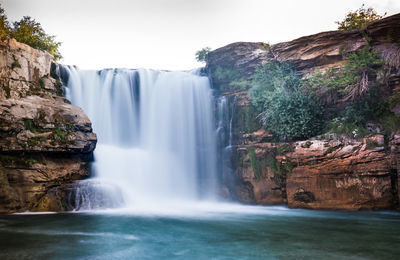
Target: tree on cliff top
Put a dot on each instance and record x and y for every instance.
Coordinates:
(4, 25)
(359, 19)
(30, 32)
(201, 55)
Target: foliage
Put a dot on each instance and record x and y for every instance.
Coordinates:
(280, 170)
(284, 108)
(270, 78)
(359, 68)
(245, 119)
(15, 64)
(224, 73)
(4, 25)
(255, 164)
(285, 148)
(293, 115)
(201, 55)
(341, 126)
(232, 77)
(351, 120)
(359, 19)
(390, 122)
(350, 82)
(30, 32)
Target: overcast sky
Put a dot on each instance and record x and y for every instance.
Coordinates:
(165, 34)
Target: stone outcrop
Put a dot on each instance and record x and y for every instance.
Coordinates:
(328, 172)
(45, 142)
(307, 53)
(343, 174)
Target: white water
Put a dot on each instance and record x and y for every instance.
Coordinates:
(156, 137)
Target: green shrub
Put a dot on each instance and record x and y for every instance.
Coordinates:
(283, 107)
(4, 25)
(350, 82)
(390, 122)
(351, 120)
(269, 78)
(359, 19)
(293, 115)
(340, 126)
(201, 55)
(232, 78)
(30, 125)
(285, 148)
(360, 68)
(226, 74)
(15, 64)
(30, 32)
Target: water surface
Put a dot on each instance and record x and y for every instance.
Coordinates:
(226, 232)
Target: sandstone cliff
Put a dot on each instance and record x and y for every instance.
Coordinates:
(45, 142)
(326, 172)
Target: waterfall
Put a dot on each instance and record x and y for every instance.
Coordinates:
(225, 116)
(156, 137)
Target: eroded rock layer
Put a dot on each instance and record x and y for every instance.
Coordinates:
(45, 142)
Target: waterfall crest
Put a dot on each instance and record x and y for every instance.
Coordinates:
(156, 135)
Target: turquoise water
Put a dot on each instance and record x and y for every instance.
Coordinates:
(241, 232)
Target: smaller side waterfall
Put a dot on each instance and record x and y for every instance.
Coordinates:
(225, 114)
(93, 194)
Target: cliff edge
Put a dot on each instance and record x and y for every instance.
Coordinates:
(45, 142)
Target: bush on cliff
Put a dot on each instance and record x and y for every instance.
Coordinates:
(270, 78)
(293, 115)
(354, 93)
(201, 55)
(359, 19)
(30, 32)
(4, 25)
(284, 108)
(350, 82)
(351, 121)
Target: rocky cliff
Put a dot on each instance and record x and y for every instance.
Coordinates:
(325, 172)
(45, 142)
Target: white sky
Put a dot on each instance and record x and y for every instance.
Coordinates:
(165, 34)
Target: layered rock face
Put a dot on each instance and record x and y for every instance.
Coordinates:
(45, 142)
(328, 172)
(345, 174)
(307, 53)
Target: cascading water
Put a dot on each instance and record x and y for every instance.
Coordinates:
(226, 109)
(156, 137)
